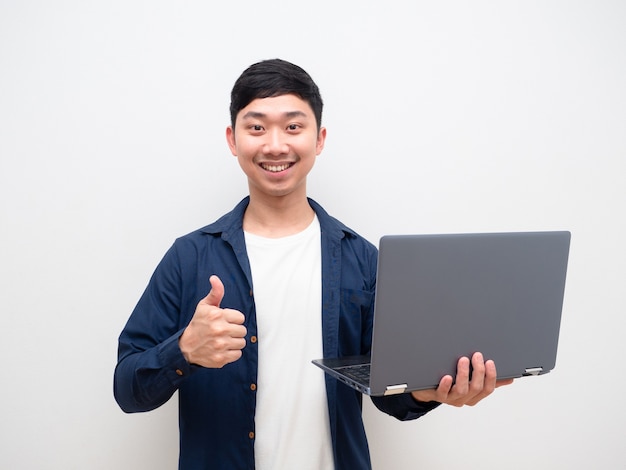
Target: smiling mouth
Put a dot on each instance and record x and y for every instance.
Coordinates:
(275, 168)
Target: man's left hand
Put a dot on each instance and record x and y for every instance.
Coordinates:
(464, 391)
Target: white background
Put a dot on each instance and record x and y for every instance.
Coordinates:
(448, 116)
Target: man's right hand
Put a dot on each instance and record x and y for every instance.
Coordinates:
(215, 336)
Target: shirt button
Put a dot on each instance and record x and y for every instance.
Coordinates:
(250, 292)
(253, 339)
(251, 435)
(179, 372)
(253, 387)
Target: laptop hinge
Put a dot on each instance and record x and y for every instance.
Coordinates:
(533, 371)
(395, 389)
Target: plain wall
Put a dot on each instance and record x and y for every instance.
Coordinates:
(446, 116)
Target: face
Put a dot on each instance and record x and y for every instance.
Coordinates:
(276, 141)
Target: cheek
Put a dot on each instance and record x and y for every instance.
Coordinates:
(243, 149)
(244, 161)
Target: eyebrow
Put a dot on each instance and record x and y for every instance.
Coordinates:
(259, 115)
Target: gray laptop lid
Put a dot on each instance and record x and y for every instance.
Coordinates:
(441, 297)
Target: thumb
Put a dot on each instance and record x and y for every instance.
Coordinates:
(216, 294)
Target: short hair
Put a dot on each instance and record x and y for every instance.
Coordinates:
(274, 77)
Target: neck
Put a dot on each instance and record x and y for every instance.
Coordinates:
(278, 217)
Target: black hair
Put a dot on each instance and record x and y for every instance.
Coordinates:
(274, 77)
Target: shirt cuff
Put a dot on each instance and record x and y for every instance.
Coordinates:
(174, 364)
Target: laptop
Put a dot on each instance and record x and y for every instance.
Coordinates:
(442, 297)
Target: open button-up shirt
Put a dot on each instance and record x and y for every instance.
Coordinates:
(217, 406)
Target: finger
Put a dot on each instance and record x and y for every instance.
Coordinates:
(237, 331)
(487, 385)
(215, 296)
(226, 357)
(237, 344)
(478, 374)
(461, 385)
(232, 356)
(443, 390)
(447, 392)
(234, 316)
(491, 374)
(490, 377)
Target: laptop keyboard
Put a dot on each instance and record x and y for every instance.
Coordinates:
(359, 373)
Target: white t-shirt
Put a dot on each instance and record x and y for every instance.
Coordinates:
(291, 421)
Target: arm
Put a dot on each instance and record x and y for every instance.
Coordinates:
(144, 380)
(404, 407)
(148, 354)
(149, 371)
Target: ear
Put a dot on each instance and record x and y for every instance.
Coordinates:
(321, 138)
(230, 140)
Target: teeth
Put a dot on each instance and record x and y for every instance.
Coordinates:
(275, 168)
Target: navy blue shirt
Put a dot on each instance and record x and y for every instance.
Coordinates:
(217, 406)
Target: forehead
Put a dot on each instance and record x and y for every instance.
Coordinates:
(276, 107)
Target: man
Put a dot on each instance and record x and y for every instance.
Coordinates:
(286, 283)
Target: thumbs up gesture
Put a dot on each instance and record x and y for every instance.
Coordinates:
(215, 336)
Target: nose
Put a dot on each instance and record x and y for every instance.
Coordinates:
(275, 144)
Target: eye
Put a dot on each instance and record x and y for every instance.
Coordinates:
(293, 127)
(256, 128)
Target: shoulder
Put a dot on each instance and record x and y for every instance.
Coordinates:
(227, 229)
(228, 223)
(337, 229)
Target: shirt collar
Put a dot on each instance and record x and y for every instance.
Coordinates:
(233, 222)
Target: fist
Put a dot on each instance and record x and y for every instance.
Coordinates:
(215, 336)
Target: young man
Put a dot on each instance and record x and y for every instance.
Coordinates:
(286, 283)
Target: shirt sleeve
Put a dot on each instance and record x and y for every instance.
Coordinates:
(150, 364)
(404, 407)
